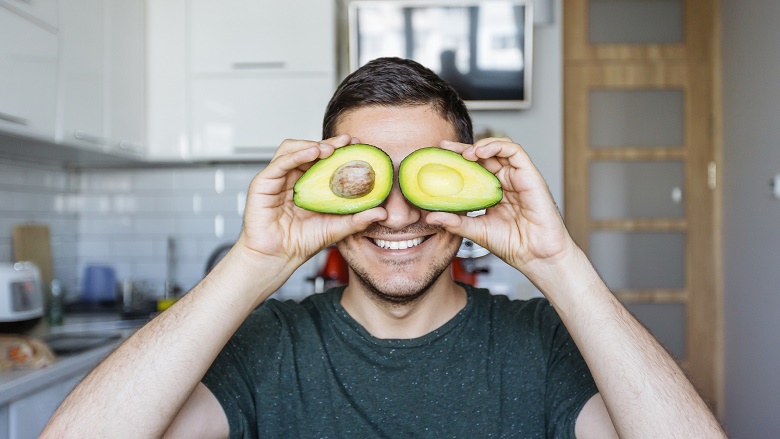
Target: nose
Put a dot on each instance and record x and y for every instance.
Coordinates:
(400, 212)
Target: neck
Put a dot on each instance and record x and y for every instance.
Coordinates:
(391, 320)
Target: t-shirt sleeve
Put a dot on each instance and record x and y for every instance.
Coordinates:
(233, 375)
(569, 381)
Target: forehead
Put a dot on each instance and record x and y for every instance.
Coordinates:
(397, 130)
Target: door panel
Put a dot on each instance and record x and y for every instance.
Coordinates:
(636, 189)
(639, 260)
(640, 118)
(641, 183)
(635, 22)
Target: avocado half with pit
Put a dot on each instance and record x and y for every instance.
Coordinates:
(441, 180)
(352, 179)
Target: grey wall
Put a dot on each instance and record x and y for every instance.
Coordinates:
(751, 69)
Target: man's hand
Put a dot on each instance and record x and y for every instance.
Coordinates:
(525, 228)
(277, 231)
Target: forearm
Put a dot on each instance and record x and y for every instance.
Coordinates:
(645, 391)
(139, 389)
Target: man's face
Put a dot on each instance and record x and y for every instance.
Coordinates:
(399, 258)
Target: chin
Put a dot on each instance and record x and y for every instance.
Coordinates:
(398, 289)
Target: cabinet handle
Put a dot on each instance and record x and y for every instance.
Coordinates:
(90, 138)
(14, 119)
(258, 65)
(130, 147)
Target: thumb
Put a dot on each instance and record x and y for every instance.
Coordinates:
(457, 224)
(350, 224)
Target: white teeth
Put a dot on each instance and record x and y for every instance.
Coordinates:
(398, 245)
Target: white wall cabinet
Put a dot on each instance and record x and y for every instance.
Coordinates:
(240, 76)
(126, 78)
(242, 117)
(82, 74)
(28, 77)
(102, 76)
(261, 36)
(43, 11)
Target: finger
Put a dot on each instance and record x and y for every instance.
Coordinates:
(350, 224)
(466, 227)
(502, 149)
(487, 140)
(292, 145)
(282, 165)
(454, 146)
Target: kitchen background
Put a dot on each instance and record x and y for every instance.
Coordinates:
(112, 208)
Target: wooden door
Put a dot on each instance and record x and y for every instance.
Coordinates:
(642, 123)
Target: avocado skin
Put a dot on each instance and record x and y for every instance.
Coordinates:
(481, 189)
(312, 191)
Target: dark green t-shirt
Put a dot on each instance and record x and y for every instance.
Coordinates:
(499, 368)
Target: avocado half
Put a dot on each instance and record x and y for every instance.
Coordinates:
(441, 180)
(352, 179)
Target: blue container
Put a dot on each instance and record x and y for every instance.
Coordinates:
(99, 284)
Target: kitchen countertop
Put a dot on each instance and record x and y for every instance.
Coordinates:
(19, 382)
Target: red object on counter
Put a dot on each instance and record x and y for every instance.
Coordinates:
(335, 269)
(461, 274)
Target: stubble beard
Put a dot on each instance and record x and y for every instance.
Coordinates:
(401, 291)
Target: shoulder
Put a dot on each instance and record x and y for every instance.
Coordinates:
(534, 318)
(502, 307)
(285, 315)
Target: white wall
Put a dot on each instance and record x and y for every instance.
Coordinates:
(751, 69)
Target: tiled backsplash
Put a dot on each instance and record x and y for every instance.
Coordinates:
(41, 194)
(124, 217)
(127, 217)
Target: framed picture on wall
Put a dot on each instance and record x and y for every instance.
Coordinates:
(483, 48)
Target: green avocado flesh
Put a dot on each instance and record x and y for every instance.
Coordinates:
(352, 179)
(440, 180)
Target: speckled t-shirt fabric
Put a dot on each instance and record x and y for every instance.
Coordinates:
(499, 368)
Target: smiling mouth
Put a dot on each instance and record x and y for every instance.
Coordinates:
(398, 245)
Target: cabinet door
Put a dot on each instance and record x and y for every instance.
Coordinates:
(236, 116)
(82, 65)
(27, 416)
(166, 80)
(42, 10)
(28, 77)
(126, 112)
(261, 35)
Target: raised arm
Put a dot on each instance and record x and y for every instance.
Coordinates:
(140, 388)
(644, 391)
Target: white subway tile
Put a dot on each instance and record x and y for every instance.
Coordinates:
(195, 226)
(155, 226)
(11, 175)
(95, 203)
(238, 178)
(153, 180)
(6, 251)
(105, 225)
(133, 249)
(224, 204)
(193, 180)
(107, 181)
(92, 252)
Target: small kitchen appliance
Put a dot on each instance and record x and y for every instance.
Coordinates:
(21, 295)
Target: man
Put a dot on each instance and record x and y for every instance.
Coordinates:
(402, 350)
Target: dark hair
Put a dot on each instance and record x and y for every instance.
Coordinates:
(394, 82)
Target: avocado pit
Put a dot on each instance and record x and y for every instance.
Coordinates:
(353, 179)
